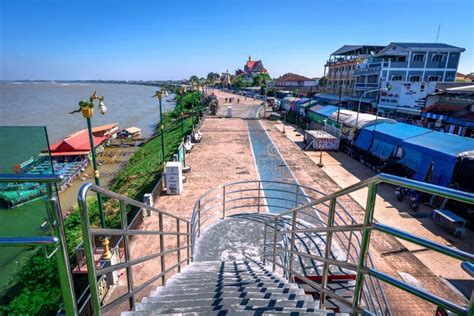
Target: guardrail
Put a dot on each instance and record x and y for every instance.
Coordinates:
(361, 266)
(259, 197)
(125, 232)
(57, 237)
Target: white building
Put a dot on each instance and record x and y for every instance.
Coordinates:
(412, 69)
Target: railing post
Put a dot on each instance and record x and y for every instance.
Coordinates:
(223, 202)
(62, 256)
(199, 219)
(162, 249)
(275, 231)
(296, 195)
(258, 197)
(264, 241)
(189, 246)
(86, 235)
(364, 247)
(327, 253)
(178, 244)
(126, 248)
(292, 247)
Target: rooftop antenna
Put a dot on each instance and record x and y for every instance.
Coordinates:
(437, 35)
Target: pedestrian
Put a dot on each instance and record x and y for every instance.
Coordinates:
(238, 100)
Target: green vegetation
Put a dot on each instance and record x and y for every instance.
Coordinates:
(261, 80)
(213, 76)
(37, 291)
(323, 82)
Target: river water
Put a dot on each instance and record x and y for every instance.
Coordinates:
(49, 104)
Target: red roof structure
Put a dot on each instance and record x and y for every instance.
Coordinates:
(254, 67)
(292, 77)
(78, 143)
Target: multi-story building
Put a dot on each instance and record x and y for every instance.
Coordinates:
(340, 68)
(411, 69)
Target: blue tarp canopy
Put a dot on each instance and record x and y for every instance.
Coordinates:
(318, 113)
(301, 101)
(297, 104)
(387, 133)
(437, 152)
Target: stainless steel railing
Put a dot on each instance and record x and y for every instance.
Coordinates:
(57, 238)
(362, 266)
(261, 196)
(178, 228)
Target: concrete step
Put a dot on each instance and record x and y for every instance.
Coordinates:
(242, 283)
(213, 295)
(230, 288)
(227, 301)
(235, 312)
(209, 280)
(223, 275)
(212, 304)
(234, 290)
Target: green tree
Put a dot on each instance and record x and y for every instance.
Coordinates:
(213, 76)
(240, 83)
(194, 78)
(261, 80)
(323, 82)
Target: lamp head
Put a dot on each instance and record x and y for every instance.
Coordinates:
(102, 107)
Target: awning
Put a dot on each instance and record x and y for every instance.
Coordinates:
(410, 111)
(69, 153)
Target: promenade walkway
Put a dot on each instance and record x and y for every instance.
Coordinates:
(225, 155)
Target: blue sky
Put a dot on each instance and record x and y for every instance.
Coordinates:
(119, 39)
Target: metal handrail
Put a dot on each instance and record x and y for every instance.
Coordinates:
(125, 232)
(57, 237)
(217, 202)
(368, 226)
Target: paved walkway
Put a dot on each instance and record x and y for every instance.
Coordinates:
(391, 255)
(224, 155)
(243, 107)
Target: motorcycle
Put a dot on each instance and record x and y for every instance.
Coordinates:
(414, 200)
(400, 193)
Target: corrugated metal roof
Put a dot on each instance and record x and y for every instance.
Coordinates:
(424, 45)
(346, 48)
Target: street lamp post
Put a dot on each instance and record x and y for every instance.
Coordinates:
(387, 88)
(159, 94)
(87, 110)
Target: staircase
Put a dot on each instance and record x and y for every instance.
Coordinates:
(228, 288)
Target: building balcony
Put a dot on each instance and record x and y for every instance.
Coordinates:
(363, 86)
(394, 64)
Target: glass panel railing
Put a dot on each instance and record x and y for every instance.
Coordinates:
(31, 246)
(22, 206)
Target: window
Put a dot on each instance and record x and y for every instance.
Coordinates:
(437, 58)
(418, 57)
(415, 78)
(433, 78)
(397, 78)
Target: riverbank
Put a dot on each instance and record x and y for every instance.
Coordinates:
(37, 290)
